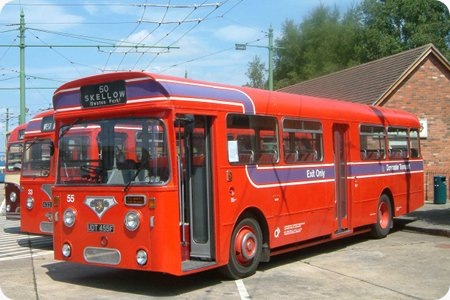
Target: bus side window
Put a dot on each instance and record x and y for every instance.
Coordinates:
(302, 141)
(256, 137)
(414, 143)
(372, 142)
(398, 142)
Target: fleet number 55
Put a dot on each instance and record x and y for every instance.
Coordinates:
(70, 198)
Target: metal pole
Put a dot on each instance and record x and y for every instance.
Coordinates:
(270, 58)
(7, 120)
(22, 68)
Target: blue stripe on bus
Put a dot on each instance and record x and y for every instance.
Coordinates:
(385, 167)
(270, 176)
(210, 92)
(151, 88)
(67, 99)
(34, 125)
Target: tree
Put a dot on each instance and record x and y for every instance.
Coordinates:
(321, 44)
(325, 42)
(392, 26)
(256, 73)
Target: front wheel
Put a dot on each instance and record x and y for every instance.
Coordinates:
(245, 249)
(384, 218)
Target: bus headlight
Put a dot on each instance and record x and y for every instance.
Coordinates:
(13, 197)
(132, 220)
(30, 203)
(69, 217)
(66, 250)
(141, 257)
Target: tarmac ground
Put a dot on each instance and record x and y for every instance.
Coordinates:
(431, 219)
(352, 268)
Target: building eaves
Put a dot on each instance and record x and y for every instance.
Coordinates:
(367, 83)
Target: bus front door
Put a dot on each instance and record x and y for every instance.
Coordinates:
(195, 172)
(340, 145)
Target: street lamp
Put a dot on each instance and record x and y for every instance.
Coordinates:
(270, 47)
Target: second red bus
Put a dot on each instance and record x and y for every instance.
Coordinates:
(38, 175)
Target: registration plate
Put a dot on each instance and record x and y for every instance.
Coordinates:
(100, 228)
(47, 204)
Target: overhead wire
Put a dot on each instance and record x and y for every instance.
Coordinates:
(193, 8)
(151, 32)
(8, 48)
(188, 31)
(205, 56)
(134, 30)
(204, 11)
(213, 53)
(178, 24)
(58, 53)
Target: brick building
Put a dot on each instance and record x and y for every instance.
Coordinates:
(417, 81)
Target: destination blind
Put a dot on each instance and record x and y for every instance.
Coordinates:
(104, 94)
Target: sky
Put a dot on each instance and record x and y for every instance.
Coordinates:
(181, 37)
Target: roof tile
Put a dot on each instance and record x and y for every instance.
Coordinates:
(366, 83)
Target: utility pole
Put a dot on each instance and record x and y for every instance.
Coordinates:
(7, 120)
(22, 68)
(22, 47)
(269, 47)
(270, 58)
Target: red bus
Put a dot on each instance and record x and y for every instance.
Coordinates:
(14, 149)
(38, 175)
(218, 176)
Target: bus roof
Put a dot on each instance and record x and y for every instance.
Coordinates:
(17, 134)
(41, 123)
(139, 87)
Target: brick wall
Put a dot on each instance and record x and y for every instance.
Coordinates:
(426, 93)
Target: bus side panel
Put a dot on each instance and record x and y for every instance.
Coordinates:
(366, 192)
(294, 212)
(302, 212)
(407, 190)
(417, 198)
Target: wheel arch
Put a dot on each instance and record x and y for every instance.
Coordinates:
(387, 191)
(255, 213)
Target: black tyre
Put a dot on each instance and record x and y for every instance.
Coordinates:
(245, 249)
(384, 218)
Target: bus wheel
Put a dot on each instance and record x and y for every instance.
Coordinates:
(384, 218)
(245, 249)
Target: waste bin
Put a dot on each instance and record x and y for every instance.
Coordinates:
(440, 190)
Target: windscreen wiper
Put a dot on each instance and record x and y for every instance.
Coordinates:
(141, 167)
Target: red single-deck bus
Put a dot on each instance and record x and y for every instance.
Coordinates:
(38, 175)
(212, 176)
(14, 149)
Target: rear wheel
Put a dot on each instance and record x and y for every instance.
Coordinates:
(245, 249)
(384, 218)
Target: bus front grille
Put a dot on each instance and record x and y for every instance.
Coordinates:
(105, 256)
(46, 227)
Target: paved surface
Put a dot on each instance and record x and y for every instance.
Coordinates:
(354, 268)
(430, 219)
